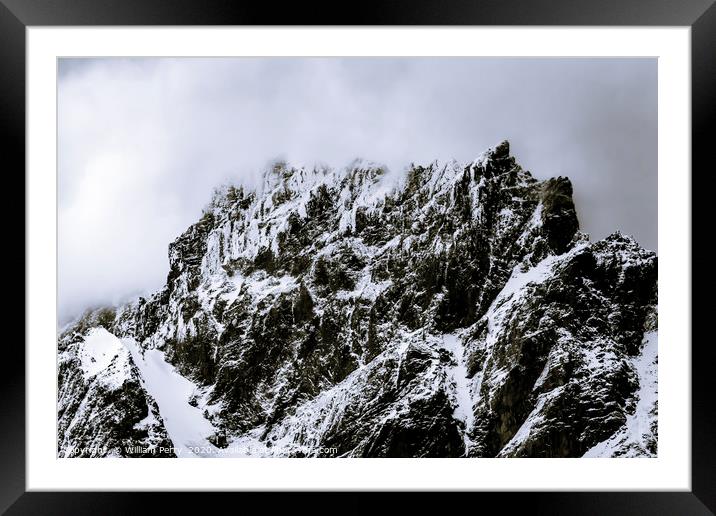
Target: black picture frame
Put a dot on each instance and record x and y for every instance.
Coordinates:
(700, 15)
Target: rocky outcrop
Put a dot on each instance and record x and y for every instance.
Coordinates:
(103, 408)
(458, 312)
(552, 359)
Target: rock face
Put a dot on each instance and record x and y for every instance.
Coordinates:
(457, 312)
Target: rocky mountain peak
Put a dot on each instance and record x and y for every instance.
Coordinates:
(456, 312)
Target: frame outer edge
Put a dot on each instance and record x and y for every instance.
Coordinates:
(703, 112)
(12, 136)
(368, 12)
(12, 130)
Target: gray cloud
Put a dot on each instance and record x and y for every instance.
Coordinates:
(142, 142)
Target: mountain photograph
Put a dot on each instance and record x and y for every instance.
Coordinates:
(235, 282)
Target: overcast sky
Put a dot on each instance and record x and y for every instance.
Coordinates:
(142, 142)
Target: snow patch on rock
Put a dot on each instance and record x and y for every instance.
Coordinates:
(102, 355)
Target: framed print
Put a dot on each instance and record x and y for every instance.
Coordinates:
(436, 250)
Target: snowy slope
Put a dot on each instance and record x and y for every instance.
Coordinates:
(186, 426)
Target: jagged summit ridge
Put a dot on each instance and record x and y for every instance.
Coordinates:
(361, 185)
(457, 312)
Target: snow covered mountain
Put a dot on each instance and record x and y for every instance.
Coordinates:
(458, 312)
